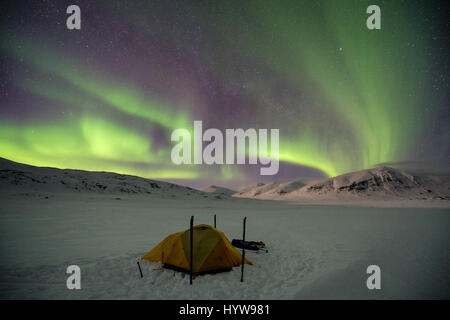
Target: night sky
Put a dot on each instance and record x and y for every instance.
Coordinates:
(107, 97)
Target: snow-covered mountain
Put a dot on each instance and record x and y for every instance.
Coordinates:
(17, 177)
(274, 189)
(220, 191)
(377, 183)
(381, 183)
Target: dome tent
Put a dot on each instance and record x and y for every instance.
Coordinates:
(211, 251)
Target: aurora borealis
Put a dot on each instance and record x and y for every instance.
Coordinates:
(108, 96)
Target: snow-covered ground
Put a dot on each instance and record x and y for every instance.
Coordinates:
(315, 251)
(103, 222)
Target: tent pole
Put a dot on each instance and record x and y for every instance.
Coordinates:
(214, 221)
(192, 248)
(243, 252)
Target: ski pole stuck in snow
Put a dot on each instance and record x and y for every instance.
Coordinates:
(140, 270)
(192, 248)
(243, 252)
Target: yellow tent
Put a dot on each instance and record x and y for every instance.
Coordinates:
(212, 251)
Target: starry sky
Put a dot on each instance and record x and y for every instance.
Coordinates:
(107, 97)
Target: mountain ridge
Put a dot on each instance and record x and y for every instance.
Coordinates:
(16, 176)
(376, 183)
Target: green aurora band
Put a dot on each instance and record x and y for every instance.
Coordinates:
(91, 142)
(368, 108)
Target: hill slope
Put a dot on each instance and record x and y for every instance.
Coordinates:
(17, 177)
(274, 189)
(376, 183)
(221, 191)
